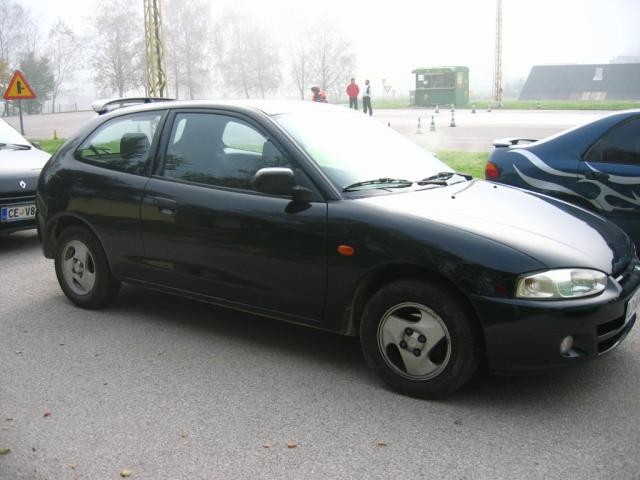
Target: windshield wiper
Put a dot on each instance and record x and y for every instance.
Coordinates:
(16, 146)
(442, 178)
(387, 182)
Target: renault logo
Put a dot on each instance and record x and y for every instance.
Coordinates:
(23, 184)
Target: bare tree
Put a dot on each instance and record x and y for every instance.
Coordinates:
(118, 40)
(301, 67)
(63, 53)
(186, 46)
(333, 60)
(247, 58)
(18, 35)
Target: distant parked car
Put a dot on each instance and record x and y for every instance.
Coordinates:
(20, 165)
(595, 166)
(318, 215)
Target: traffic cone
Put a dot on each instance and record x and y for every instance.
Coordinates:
(55, 135)
(437, 109)
(419, 130)
(473, 108)
(453, 120)
(433, 125)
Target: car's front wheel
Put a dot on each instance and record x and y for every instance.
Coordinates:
(421, 339)
(82, 269)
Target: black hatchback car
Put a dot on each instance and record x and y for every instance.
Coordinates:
(318, 215)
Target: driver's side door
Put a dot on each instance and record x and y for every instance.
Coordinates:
(208, 231)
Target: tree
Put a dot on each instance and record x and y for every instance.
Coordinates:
(247, 59)
(332, 61)
(118, 47)
(41, 78)
(301, 67)
(186, 47)
(17, 35)
(63, 53)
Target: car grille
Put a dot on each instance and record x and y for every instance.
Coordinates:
(10, 199)
(612, 332)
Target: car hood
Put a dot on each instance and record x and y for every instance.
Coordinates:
(20, 165)
(553, 232)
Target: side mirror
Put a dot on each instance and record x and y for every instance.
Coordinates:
(275, 181)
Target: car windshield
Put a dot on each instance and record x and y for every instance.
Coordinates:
(351, 148)
(9, 136)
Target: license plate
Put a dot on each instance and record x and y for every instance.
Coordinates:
(14, 213)
(633, 305)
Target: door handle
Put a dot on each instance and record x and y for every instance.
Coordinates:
(597, 175)
(165, 205)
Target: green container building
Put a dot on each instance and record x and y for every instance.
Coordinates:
(441, 86)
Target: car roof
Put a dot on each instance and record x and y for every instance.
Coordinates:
(268, 107)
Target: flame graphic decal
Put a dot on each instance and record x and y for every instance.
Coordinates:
(599, 201)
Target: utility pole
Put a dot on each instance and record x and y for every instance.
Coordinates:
(497, 71)
(154, 49)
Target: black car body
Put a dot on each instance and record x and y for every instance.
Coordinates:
(20, 165)
(279, 228)
(595, 166)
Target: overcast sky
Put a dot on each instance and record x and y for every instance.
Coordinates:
(392, 37)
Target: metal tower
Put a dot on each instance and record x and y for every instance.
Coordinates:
(154, 49)
(497, 71)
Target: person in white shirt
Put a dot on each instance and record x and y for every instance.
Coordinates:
(366, 97)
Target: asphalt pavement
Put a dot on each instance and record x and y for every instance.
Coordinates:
(472, 133)
(170, 388)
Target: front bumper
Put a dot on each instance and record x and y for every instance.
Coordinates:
(525, 335)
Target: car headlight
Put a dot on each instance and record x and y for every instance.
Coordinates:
(561, 283)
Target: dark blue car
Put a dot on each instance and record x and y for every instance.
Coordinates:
(595, 166)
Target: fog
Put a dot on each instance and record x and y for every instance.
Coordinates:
(391, 38)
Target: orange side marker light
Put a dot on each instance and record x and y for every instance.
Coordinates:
(346, 250)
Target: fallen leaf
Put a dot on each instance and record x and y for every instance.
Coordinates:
(380, 443)
(292, 445)
(19, 352)
(266, 445)
(126, 473)
(33, 449)
(183, 435)
(73, 466)
(4, 451)
(47, 413)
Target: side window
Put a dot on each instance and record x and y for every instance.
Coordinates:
(122, 144)
(218, 150)
(622, 144)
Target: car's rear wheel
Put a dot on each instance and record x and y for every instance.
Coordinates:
(421, 339)
(82, 269)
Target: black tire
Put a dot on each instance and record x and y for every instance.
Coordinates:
(445, 311)
(104, 288)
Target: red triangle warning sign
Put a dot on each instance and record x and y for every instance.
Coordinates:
(19, 88)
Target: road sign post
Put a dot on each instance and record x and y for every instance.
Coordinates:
(19, 89)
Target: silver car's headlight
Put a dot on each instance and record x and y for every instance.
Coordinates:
(561, 283)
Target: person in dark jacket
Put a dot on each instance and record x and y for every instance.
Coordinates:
(366, 98)
(352, 92)
(318, 95)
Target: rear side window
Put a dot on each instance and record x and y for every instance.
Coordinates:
(620, 145)
(122, 144)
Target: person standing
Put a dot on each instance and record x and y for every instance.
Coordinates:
(352, 92)
(366, 98)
